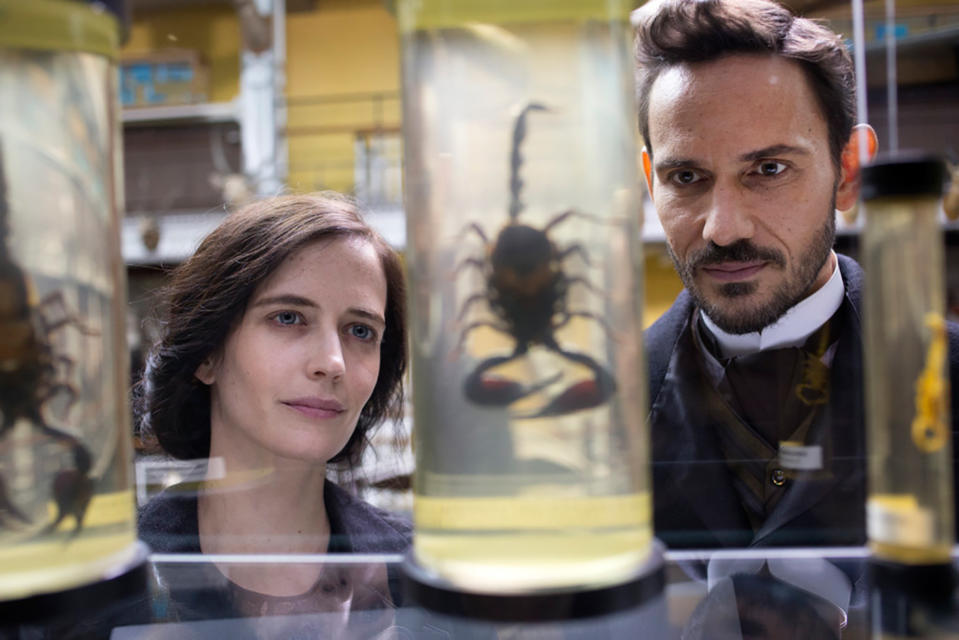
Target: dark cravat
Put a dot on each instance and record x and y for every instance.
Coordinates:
(777, 390)
(776, 395)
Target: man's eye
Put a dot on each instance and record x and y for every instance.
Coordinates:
(685, 176)
(770, 168)
(362, 332)
(287, 318)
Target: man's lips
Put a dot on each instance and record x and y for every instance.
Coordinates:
(316, 407)
(734, 271)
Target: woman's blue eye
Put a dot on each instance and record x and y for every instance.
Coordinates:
(362, 332)
(287, 317)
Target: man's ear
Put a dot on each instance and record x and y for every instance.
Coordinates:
(206, 372)
(648, 172)
(861, 140)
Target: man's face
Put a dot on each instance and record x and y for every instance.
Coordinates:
(743, 182)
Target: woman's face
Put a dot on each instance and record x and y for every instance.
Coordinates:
(293, 376)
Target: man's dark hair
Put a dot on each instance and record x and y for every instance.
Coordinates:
(672, 32)
(208, 295)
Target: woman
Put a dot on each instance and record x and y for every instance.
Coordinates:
(283, 345)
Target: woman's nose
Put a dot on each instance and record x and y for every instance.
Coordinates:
(326, 358)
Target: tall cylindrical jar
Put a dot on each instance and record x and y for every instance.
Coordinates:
(524, 254)
(910, 504)
(67, 516)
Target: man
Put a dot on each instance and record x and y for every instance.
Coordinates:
(756, 399)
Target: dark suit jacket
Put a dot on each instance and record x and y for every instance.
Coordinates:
(695, 502)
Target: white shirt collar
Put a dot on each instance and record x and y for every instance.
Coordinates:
(791, 330)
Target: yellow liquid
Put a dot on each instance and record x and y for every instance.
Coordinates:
(57, 561)
(529, 543)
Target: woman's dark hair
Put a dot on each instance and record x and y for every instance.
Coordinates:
(207, 296)
(672, 32)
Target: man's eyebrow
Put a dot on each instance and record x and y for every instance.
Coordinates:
(675, 163)
(774, 150)
(285, 298)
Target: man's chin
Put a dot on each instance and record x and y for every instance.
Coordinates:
(740, 314)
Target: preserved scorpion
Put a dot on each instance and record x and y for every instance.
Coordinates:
(32, 375)
(527, 288)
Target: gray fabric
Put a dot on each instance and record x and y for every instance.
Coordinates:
(168, 524)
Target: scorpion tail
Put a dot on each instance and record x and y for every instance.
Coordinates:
(516, 160)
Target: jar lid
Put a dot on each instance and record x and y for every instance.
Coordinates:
(60, 25)
(906, 173)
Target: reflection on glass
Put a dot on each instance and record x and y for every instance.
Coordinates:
(526, 288)
(66, 505)
(910, 508)
(351, 598)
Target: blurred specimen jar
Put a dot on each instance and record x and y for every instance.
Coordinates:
(67, 516)
(910, 504)
(525, 261)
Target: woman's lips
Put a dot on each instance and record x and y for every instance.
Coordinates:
(317, 408)
(734, 271)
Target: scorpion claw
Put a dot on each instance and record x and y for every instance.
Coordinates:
(497, 391)
(586, 394)
(72, 491)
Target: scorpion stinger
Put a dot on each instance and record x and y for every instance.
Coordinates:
(526, 290)
(30, 372)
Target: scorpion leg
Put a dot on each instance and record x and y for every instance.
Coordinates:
(496, 391)
(66, 318)
(560, 218)
(569, 315)
(473, 299)
(476, 262)
(576, 248)
(586, 283)
(586, 394)
(469, 262)
(476, 325)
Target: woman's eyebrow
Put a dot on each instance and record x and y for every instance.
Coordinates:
(286, 298)
(369, 315)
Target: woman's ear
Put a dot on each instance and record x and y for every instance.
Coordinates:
(860, 148)
(206, 372)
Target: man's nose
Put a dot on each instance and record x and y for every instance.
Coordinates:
(728, 218)
(326, 355)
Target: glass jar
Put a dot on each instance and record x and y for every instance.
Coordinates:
(524, 254)
(67, 514)
(910, 503)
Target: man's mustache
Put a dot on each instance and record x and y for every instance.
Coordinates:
(740, 251)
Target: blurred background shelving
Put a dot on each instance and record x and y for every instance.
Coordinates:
(333, 119)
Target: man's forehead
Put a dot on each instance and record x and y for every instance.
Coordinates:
(701, 79)
(753, 94)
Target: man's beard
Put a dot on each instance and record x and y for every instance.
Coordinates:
(790, 292)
